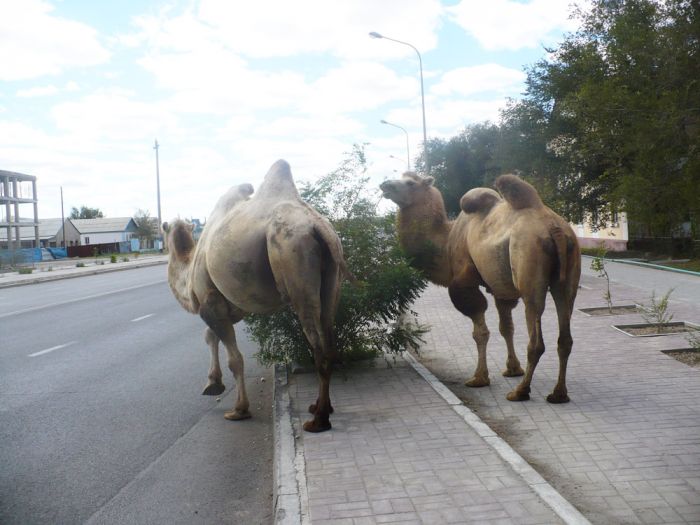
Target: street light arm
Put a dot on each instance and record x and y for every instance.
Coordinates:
(374, 34)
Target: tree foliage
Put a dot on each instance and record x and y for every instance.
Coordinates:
(609, 121)
(462, 162)
(146, 226)
(611, 116)
(365, 324)
(85, 213)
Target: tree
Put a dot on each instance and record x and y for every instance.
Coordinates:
(146, 226)
(462, 162)
(612, 116)
(365, 324)
(85, 213)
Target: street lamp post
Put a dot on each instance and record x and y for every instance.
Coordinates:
(160, 219)
(374, 34)
(408, 153)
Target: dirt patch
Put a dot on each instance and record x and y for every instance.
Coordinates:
(646, 330)
(616, 310)
(690, 356)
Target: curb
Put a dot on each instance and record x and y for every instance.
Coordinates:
(92, 271)
(561, 507)
(290, 500)
(649, 265)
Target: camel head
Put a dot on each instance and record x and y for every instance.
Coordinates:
(409, 189)
(179, 238)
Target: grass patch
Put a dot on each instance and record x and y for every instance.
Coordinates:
(693, 265)
(25, 271)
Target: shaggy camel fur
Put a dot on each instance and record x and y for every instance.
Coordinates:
(513, 245)
(256, 255)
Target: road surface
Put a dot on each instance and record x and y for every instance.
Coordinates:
(101, 417)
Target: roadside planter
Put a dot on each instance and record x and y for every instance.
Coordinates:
(654, 330)
(623, 309)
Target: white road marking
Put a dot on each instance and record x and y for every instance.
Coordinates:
(57, 347)
(142, 318)
(78, 299)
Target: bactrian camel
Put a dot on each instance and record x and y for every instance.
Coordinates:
(513, 245)
(256, 255)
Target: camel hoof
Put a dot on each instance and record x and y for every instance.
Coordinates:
(476, 382)
(237, 415)
(513, 372)
(518, 396)
(213, 389)
(312, 409)
(317, 426)
(557, 399)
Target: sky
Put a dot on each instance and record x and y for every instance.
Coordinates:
(228, 87)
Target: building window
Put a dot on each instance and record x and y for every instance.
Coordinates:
(87, 240)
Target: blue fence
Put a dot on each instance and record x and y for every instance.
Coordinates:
(23, 255)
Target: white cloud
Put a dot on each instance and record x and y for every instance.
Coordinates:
(270, 28)
(38, 91)
(113, 115)
(36, 43)
(512, 25)
(486, 78)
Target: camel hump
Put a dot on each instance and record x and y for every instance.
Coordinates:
(479, 200)
(518, 193)
(278, 182)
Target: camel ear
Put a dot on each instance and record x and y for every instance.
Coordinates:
(166, 227)
(428, 181)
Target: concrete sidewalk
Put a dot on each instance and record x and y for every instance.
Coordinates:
(404, 449)
(66, 269)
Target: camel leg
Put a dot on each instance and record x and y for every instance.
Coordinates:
(468, 299)
(533, 315)
(505, 326)
(215, 385)
(214, 310)
(564, 306)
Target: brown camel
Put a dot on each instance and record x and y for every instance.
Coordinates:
(256, 255)
(513, 245)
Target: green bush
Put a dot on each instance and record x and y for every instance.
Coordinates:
(366, 324)
(25, 271)
(80, 265)
(112, 258)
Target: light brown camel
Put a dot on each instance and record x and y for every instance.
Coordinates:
(513, 245)
(256, 255)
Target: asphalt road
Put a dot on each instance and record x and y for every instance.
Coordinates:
(101, 417)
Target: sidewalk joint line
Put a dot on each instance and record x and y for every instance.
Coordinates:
(561, 507)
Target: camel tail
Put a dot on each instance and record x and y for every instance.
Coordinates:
(518, 193)
(560, 242)
(330, 239)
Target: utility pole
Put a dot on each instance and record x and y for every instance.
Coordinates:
(160, 219)
(63, 220)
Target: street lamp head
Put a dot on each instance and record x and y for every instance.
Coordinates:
(383, 121)
(374, 34)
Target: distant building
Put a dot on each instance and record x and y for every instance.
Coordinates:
(50, 234)
(105, 230)
(614, 236)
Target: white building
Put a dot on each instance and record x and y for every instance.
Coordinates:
(613, 236)
(105, 230)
